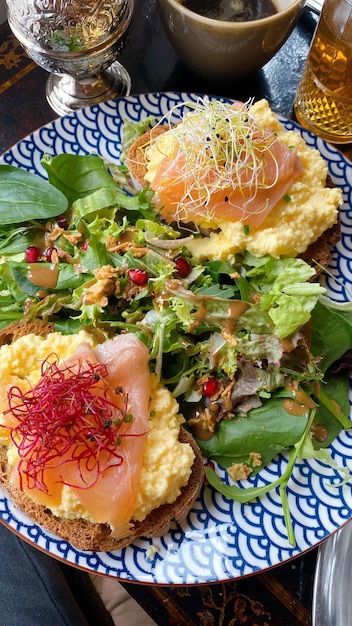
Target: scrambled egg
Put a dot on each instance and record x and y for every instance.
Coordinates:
(20, 362)
(167, 463)
(296, 221)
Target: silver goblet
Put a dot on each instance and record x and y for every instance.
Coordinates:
(77, 41)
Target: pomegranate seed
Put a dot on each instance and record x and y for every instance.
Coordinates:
(32, 254)
(210, 387)
(85, 244)
(183, 267)
(138, 276)
(49, 253)
(62, 222)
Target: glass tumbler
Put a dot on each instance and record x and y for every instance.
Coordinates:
(323, 101)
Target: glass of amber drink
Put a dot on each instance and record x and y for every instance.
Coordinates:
(323, 101)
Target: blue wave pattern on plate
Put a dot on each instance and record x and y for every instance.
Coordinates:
(220, 539)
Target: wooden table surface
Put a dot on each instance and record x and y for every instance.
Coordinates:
(281, 596)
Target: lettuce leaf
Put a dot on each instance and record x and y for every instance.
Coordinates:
(27, 196)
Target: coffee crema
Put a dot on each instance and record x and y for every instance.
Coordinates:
(232, 10)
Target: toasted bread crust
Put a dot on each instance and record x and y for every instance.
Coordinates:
(15, 330)
(87, 536)
(319, 253)
(83, 534)
(135, 155)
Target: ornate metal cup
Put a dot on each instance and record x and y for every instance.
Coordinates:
(77, 41)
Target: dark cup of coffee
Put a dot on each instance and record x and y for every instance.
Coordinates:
(224, 39)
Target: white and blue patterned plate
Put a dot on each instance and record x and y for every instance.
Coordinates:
(220, 539)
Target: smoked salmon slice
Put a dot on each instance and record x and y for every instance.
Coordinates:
(220, 166)
(113, 498)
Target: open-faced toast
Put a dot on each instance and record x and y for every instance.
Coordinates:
(82, 533)
(318, 253)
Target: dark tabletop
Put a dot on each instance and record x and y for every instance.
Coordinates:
(281, 596)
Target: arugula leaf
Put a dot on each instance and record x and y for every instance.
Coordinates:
(20, 271)
(67, 278)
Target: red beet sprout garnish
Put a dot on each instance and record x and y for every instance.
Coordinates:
(68, 417)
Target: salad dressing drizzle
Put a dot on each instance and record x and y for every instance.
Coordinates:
(294, 408)
(42, 275)
(319, 432)
(300, 403)
(235, 310)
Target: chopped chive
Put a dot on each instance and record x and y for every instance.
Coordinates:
(246, 229)
(287, 198)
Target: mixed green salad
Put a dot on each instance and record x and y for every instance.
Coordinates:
(246, 347)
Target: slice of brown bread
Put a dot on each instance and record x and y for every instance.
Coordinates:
(83, 534)
(135, 154)
(15, 330)
(87, 536)
(319, 253)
